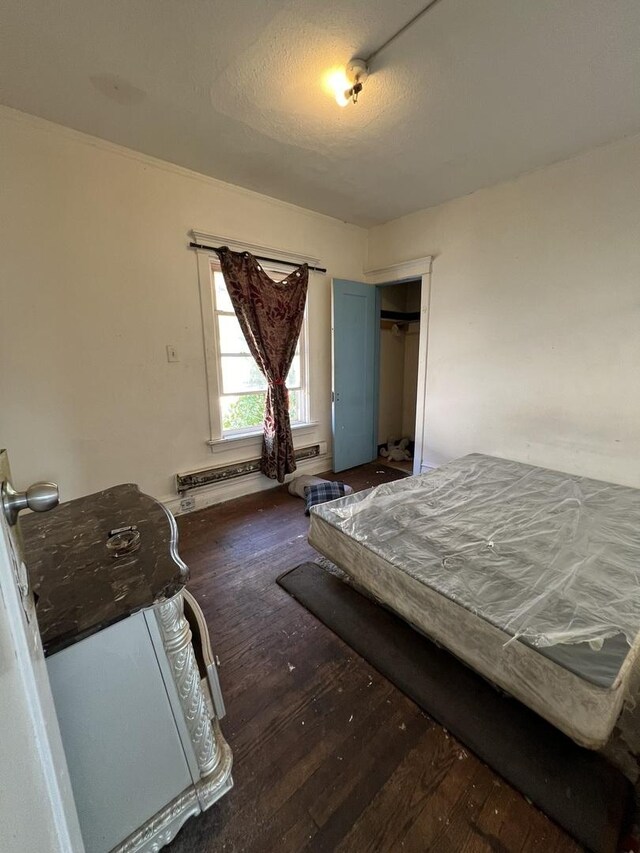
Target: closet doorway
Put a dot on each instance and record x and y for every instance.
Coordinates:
(398, 347)
(374, 360)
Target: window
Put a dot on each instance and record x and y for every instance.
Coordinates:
(241, 385)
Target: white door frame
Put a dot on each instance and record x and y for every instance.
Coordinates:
(395, 274)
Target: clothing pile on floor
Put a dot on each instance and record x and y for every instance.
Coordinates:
(315, 490)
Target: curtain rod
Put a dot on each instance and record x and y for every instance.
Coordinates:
(259, 258)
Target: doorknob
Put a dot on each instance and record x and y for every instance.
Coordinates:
(39, 497)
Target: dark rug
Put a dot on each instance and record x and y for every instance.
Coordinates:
(577, 788)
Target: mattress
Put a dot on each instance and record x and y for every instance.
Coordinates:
(529, 575)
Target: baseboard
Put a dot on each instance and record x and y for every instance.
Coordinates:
(247, 485)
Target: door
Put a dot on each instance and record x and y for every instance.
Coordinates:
(37, 811)
(354, 322)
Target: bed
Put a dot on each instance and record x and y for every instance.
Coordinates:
(530, 576)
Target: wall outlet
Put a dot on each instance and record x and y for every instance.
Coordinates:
(187, 504)
(172, 353)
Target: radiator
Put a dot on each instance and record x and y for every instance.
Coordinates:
(209, 476)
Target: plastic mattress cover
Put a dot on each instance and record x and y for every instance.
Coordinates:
(547, 557)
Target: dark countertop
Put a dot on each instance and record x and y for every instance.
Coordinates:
(80, 587)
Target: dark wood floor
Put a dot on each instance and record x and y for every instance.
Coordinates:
(328, 755)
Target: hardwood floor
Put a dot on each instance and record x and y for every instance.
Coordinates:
(328, 755)
(405, 465)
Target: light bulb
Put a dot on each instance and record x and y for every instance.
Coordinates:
(337, 82)
(342, 98)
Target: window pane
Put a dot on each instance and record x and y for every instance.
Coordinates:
(231, 337)
(295, 414)
(242, 412)
(241, 373)
(293, 379)
(223, 303)
(247, 410)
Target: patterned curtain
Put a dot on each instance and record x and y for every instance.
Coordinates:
(270, 315)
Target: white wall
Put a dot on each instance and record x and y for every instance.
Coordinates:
(95, 280)
(534, 330)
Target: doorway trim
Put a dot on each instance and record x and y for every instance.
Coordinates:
(396, 274)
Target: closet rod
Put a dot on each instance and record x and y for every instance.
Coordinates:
(259, 258)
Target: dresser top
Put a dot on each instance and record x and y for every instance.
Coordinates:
(80, 587)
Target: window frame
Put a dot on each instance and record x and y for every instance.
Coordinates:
(208, 266)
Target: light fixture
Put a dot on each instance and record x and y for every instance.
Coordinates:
(346, 83)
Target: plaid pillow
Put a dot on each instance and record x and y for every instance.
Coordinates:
(322, 492)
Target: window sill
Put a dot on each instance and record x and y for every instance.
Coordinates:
(254, 438)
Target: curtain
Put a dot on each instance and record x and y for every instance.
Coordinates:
(270, 315)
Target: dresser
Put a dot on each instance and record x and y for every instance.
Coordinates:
(132, 671)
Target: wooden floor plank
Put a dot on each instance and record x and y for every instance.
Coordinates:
(313, 787)
(400, 800)
(364, 770)
(458, 775)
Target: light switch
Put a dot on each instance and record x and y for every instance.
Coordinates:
(172, 353)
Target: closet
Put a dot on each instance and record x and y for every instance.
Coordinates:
(398, 359)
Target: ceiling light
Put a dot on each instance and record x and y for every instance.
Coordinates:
(346, 83)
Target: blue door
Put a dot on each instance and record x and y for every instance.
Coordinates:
(354, 329)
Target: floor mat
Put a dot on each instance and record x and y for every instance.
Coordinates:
(577, 788)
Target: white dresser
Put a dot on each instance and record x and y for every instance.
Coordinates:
(139, 724)
(135, 687)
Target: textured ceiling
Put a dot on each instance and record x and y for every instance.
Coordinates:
(476, 92)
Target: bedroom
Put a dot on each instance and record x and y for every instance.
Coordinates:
(494, 153)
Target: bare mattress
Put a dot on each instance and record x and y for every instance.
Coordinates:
(529, 575)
